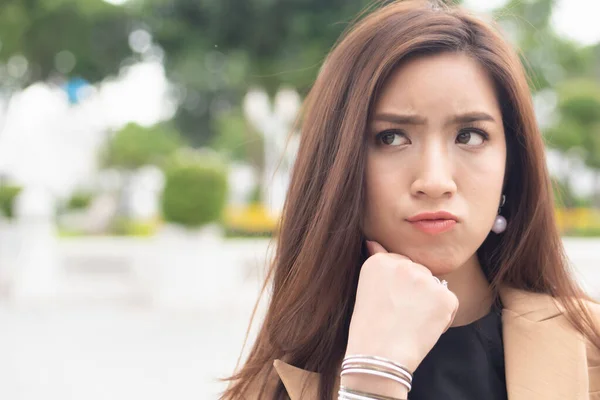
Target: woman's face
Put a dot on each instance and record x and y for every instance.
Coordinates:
(435, 143)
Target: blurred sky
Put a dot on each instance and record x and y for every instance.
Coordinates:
(576, 19)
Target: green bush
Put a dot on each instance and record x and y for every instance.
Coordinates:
(8, 193)
(195, 190)
(135, 146)
(79, 201)
(583, 232)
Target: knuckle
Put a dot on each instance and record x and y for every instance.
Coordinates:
(366, 269)
(398, 264)
(372, 264)
(422, 270)
(377, 258)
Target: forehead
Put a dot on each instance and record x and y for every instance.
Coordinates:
(447, 82)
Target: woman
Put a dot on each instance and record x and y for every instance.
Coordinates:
(418, 250)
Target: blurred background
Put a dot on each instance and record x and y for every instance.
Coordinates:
(145, 157)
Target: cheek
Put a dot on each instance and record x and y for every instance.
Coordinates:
(381, 188)
(369, 219)
(387, 183)
(481, 184)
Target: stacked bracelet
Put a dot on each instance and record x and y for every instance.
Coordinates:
(348, 394)
(377, 366)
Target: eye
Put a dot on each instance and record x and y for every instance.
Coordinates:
(392, 138)
(472, 137)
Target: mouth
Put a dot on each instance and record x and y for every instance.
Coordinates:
(434, 223)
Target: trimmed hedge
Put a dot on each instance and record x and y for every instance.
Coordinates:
(8, 193)
(195, 190)
(79, 201)
(135, 146)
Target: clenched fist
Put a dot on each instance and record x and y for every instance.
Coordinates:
(401, 311)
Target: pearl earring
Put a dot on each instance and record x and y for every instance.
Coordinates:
(500, 222)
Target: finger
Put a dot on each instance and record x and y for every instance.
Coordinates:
(375, 247)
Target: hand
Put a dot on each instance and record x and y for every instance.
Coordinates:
(400, 311)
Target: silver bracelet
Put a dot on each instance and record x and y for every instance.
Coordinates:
(378, 361)
(369, 371)
(376, 358)
(349, 394)
(378, 366)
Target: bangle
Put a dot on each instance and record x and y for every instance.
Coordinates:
(377, 366)
(371, 371)
(349, 394)
(379, 362)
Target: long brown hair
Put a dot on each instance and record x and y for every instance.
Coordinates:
(320, 246)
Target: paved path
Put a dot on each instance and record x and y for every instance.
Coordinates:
(101, 350)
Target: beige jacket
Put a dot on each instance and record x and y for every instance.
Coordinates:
(545, 358)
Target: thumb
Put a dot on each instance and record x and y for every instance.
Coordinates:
(375, 247)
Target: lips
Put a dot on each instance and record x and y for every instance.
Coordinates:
(430, 216)
(433, 223)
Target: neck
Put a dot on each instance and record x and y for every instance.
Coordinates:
(473, 291)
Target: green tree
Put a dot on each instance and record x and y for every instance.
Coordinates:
(548, 57)
(135, 146)
(578, 124)
(216, 50)
(93, 31)
(572, 71)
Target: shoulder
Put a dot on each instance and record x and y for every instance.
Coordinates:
(298, 383)
(593, 352)
(541, 321)
(594, 311)
(529, 305)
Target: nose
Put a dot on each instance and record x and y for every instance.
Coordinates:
(434, 176)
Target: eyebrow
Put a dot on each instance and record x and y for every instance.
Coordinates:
(411, 119)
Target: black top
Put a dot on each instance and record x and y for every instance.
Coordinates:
(466, 363)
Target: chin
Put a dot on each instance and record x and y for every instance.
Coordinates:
(441, 269)
(439, 263)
